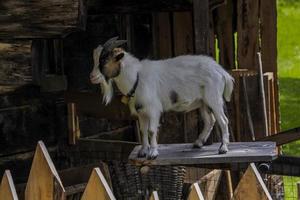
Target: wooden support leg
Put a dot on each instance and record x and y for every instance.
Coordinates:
(7, 187)
(73, 123)
(154, 196)
(251, 186)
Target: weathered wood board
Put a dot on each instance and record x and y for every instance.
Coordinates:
(7, 187)
(185, 154)
(41, 19)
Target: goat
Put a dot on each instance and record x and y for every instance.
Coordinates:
(177, 84)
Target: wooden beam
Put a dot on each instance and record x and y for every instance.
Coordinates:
(185, 154)
(43, 181)
(7, 187)
(83, 100)
(268, 34)
(283, 137)
(41, 19)
(154, 196)
(285, 165)
(201, 26)
(247, 33)
(251, 186)
(97, 188)
(195, 193)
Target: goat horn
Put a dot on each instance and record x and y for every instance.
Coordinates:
(116, 44)
(109, 42)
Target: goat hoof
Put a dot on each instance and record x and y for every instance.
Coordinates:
(198, 144)
(153, 153)
(223, 149)
(143, 152)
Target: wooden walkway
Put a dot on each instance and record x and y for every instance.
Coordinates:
(185, 154)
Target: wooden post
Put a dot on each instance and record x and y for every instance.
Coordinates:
(201, 26)
(73, 124)
(97, 188)
(154, 196)
(7, 187)
(195, 193)
(251, 186)
(43, 182)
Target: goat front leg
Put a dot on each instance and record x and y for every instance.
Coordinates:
(144, 124)
(153, 129)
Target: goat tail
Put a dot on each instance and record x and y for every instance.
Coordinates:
(229, 82)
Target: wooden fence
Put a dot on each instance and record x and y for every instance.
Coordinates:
(46, 183)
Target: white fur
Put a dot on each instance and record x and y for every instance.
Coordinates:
(198, 80)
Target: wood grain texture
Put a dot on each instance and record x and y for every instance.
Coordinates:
(185, 154)
(41, 19)
(268, 34)
(7, 187)
(97, 188)
(195, 193)
(247, 33)
(251, 186)
(154, 196)
(43, 181)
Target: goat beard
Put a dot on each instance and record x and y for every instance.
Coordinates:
(107, 90)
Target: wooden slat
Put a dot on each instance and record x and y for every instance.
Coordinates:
(154, 196)
(195, 193)
(7, 187)
(201, 26)
(247, 33)
(224, 30)
(251, 186)
(284, 137)
(83, 100)
(41, 19)
(162, 35)
(183, 33)
(43, 182)
(97, 188)
(268, 34)
(185, 154)
(73, 123)
(210, 183)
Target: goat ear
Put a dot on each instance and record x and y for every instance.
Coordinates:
(119, 56)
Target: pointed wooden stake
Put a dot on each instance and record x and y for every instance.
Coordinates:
(154, 196)
(97, 188)
(7, 187)
(251, 186)
(195, 193)
(43, 182)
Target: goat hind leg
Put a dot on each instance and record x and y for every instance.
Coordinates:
(223, 123)
(209, 121)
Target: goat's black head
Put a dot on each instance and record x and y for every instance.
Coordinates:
(109, 60)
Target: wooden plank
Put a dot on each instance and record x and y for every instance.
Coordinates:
(73, 124)
(201, 26)
(283, 137)
(224, 31)
(162, 35)
(268, 34)
(251, 186)
(7, 187)
(285, 165)
(154, 196)
(97, 188)
(43, 181)
(41, 19)
(247, 33)
(183, 33)
(195, 193)
(83, 100)
(185, 154)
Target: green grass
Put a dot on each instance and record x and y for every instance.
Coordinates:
(289, 78)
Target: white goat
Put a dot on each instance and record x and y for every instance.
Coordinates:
(178, 84)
